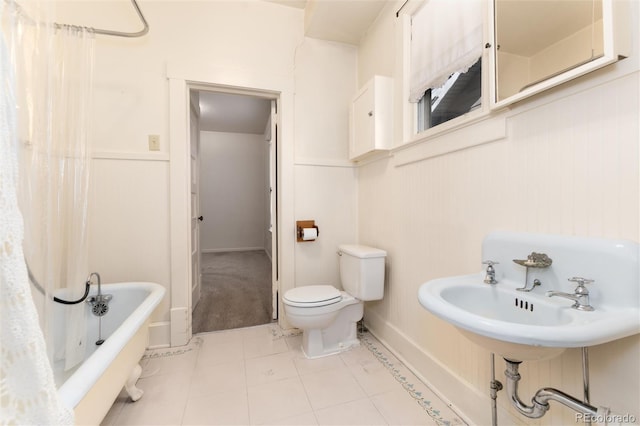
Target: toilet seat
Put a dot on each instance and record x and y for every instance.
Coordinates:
(312, 296)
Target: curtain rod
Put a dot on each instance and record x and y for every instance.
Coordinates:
(140, 33)
(401, 7)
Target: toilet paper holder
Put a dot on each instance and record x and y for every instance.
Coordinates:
(301, 225)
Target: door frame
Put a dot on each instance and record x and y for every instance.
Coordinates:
(273, 203)
(271, 182)
(196, 218)
(182, 79)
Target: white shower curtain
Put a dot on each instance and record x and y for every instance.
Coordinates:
(55, 69)
(27, 390)
(46, 97)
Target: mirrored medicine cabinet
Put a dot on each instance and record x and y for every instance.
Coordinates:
(541, 44)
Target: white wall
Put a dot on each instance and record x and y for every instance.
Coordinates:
(246, 41)
(325, 182)
(568, 165)
(128, 216)
(232, 191)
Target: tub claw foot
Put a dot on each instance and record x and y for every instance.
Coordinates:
(135, 393)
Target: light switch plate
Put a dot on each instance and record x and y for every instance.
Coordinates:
(154, 142)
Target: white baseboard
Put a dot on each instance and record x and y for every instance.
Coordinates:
(469, 403)
(180, 328)
(222, 250)
(159, 335)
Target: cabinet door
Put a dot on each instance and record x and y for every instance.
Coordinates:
(538, 45)
(363, 122)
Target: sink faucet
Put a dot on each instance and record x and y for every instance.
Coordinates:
(490, 278)
(580, 295)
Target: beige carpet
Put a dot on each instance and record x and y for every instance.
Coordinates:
(236, 291)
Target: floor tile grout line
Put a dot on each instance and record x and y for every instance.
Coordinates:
(379, 412)
(364, 391)
(195, 363)
(306, 393)
(368, 397)
(275, 336)
(343, 365)
(246, 380)
(246, 384)
(313, 410)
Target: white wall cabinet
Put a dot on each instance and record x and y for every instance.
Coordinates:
(539, 45)
(371, 118)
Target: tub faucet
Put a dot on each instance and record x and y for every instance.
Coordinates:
(99, 302)
(97, 275)
(580, 295)
(490, 278)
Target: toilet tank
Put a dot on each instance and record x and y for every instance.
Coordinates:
(362, 271)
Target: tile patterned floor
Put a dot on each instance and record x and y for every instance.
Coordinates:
(259, 376)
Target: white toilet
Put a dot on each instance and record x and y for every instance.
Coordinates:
(327, 316)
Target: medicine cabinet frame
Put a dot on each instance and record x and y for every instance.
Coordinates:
(616, 45)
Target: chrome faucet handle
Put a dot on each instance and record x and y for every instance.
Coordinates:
(490, 278)
(581, 289)
(581, 281)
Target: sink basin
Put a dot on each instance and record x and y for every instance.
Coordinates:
(501, 304)
(524, 326)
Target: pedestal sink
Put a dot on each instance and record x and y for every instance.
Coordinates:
(523, 326)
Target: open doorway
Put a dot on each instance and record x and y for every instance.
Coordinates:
(233, 169)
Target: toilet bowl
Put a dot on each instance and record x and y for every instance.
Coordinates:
(327, 316)
(328, 326)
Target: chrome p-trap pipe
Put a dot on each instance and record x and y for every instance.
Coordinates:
(540, 401)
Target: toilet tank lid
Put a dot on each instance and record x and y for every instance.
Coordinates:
(362, 251)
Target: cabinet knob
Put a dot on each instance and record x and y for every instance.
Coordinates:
(370, 113)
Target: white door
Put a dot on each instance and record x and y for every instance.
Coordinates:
(196, 218)
(273, 210)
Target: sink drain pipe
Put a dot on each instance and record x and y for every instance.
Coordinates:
(540, 401)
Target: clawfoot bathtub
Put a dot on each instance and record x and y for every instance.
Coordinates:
(92, 386)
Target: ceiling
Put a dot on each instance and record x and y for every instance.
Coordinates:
(344, 21)
(298, 4)
(231, 113)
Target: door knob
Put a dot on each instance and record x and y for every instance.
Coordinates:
(200, 218)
